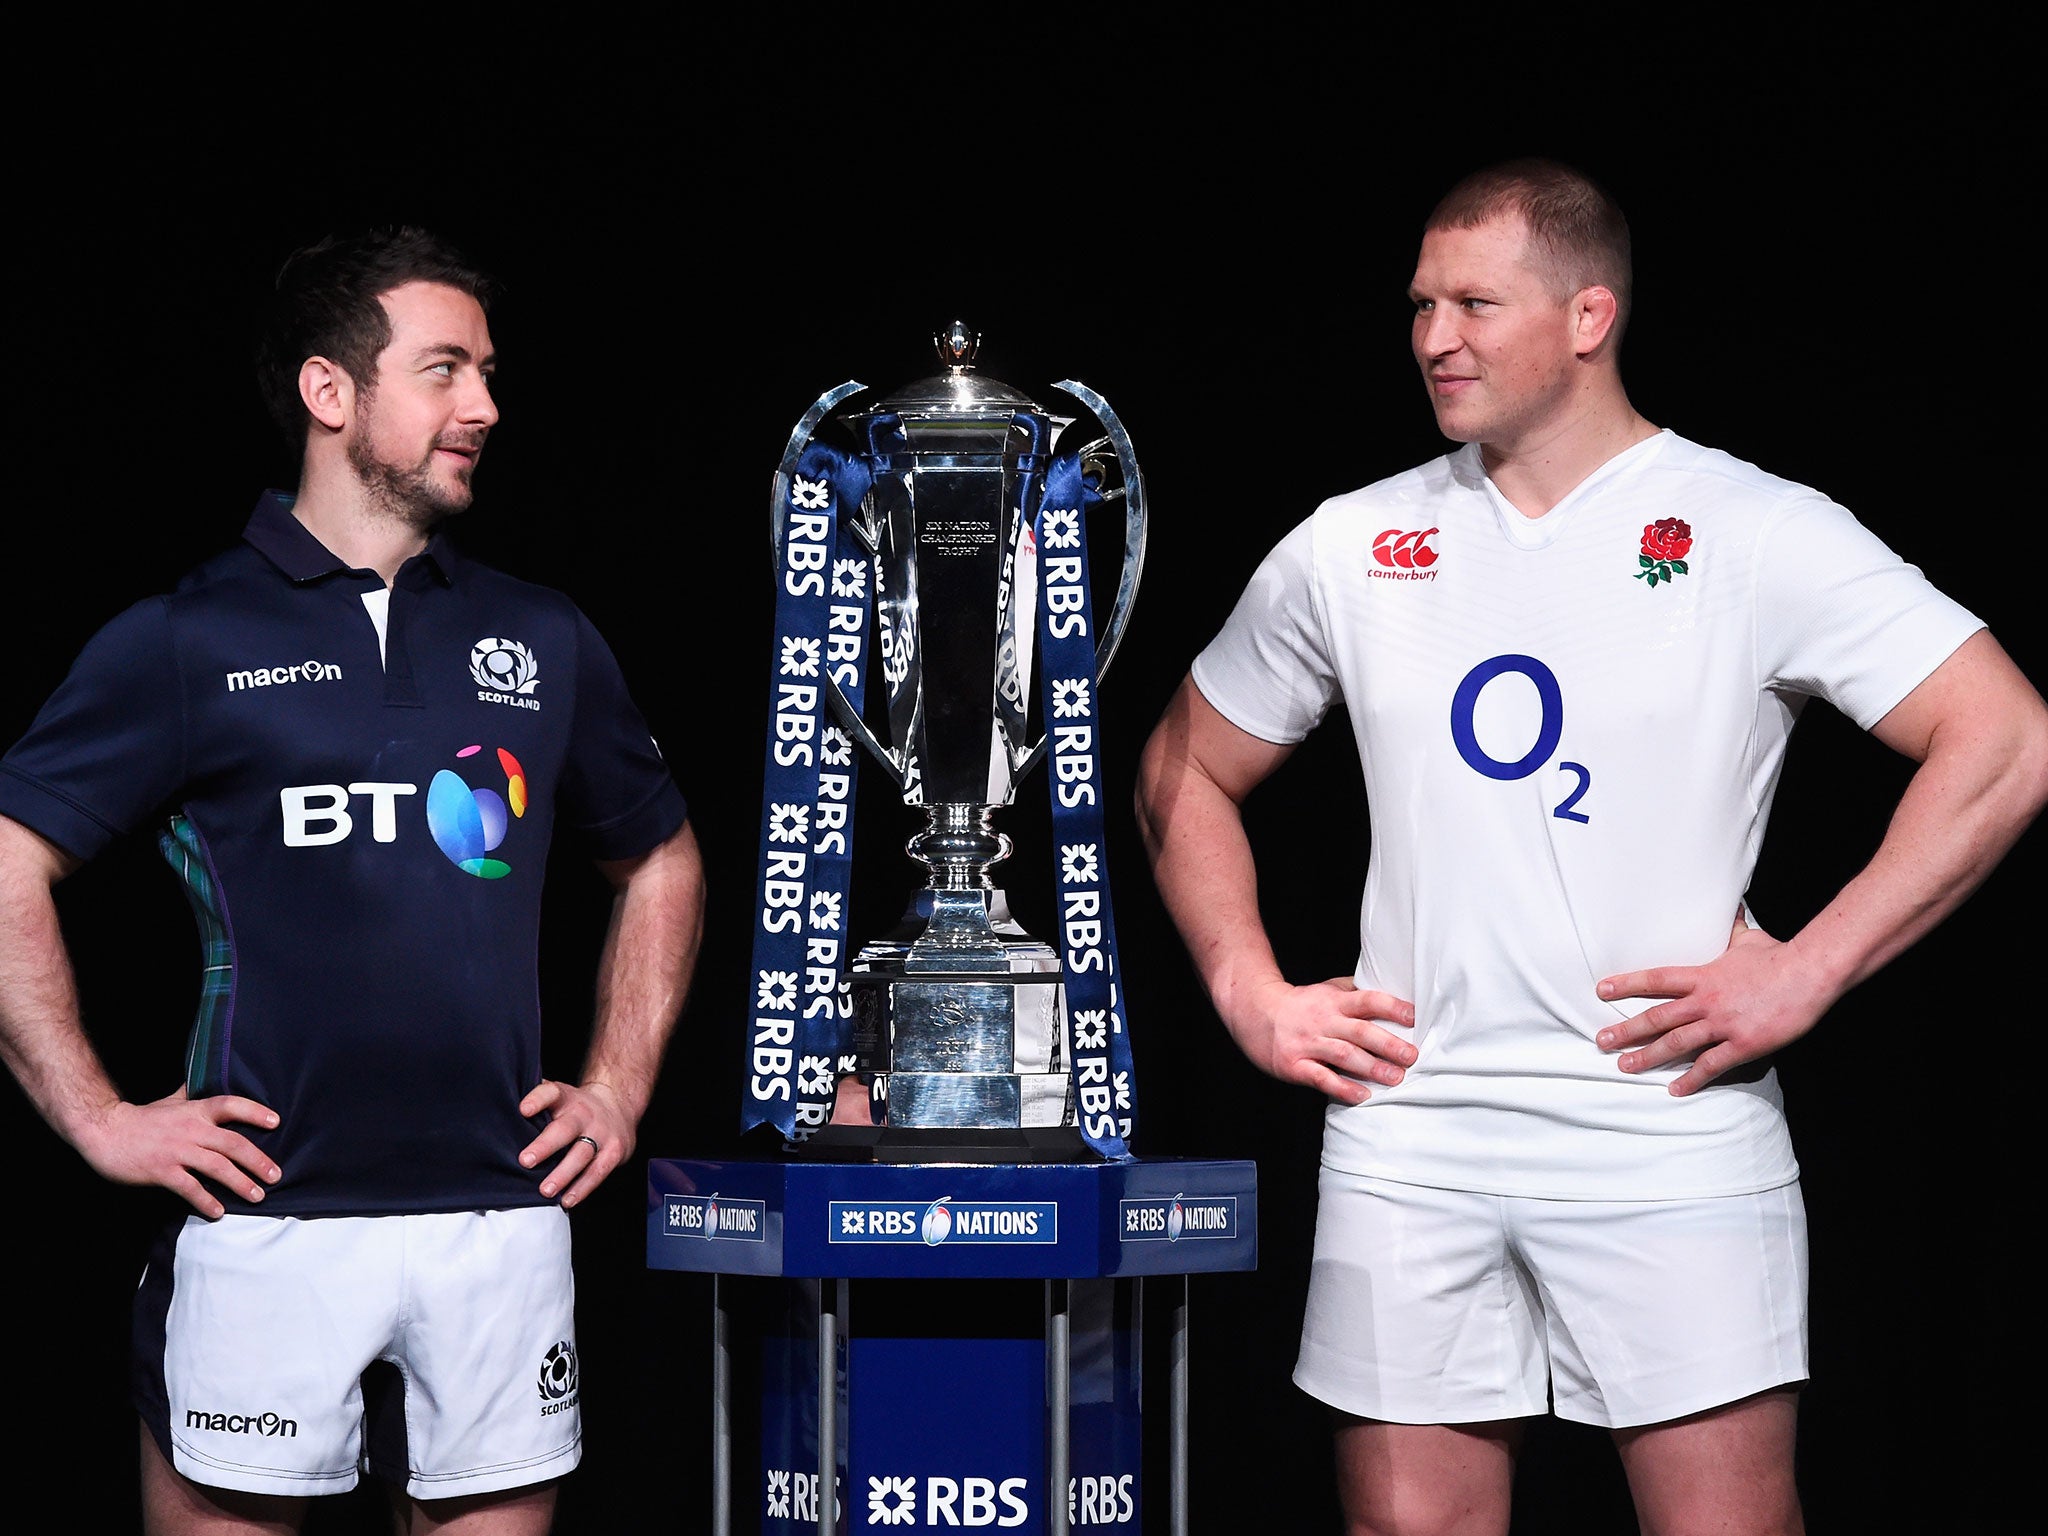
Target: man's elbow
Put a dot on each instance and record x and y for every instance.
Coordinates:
(27, 854)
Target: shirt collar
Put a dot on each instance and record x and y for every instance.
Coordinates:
(289, 544)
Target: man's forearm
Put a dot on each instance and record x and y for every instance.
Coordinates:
(42, 1039)
(1965, 806)
(1203, 867)
(643, 974)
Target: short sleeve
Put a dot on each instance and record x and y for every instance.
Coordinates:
(617, 791)
(1842, 618)
(105, 754)
(1269, 670)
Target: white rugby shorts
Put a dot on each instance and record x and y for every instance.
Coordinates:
(1433, 1306)
(288, 1355)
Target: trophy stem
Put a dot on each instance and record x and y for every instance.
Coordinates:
(959, 845)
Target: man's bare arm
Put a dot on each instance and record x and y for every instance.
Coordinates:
(1979, 731)
(169, 1142)
(1193, 776)
(643, 977)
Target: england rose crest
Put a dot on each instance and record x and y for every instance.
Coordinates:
(1666, 543)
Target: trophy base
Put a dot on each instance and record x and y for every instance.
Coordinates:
(948, 1144)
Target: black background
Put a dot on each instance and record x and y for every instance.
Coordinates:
(702, 228)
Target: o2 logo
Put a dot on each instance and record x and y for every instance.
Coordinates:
(1466, 700)
(469, 823)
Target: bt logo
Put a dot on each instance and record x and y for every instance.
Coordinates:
(468, 823)
(465, 823)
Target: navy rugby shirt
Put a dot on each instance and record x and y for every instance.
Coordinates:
(363, 840)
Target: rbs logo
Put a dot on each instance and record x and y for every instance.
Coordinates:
(962, 1501)
(465, 823)
(1105, 1500)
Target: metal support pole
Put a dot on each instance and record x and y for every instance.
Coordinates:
(1177, 1412)
(1058, 1393)
(721, 1412)
(829, 1302)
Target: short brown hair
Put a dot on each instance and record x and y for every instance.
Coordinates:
(328, 303)
(1576, 229)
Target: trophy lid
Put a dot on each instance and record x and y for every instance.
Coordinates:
(959, 392)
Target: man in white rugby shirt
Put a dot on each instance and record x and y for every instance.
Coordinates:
(1555, 1169)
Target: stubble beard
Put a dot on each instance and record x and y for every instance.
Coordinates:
(408, 493)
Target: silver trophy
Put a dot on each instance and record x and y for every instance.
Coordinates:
(959, 1014)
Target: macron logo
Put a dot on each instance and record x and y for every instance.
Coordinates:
(297, 672)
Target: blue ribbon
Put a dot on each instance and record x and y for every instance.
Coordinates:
(1105, 1092)
(799, 1033)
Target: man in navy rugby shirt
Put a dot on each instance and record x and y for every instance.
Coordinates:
(356, 746)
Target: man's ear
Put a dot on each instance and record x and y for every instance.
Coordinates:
(328, 392)
(1594, 310)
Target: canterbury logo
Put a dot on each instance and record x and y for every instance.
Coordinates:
(1405, 551)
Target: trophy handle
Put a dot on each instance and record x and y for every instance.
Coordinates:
(1133, 493)
(778, 495)
(799, 439)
